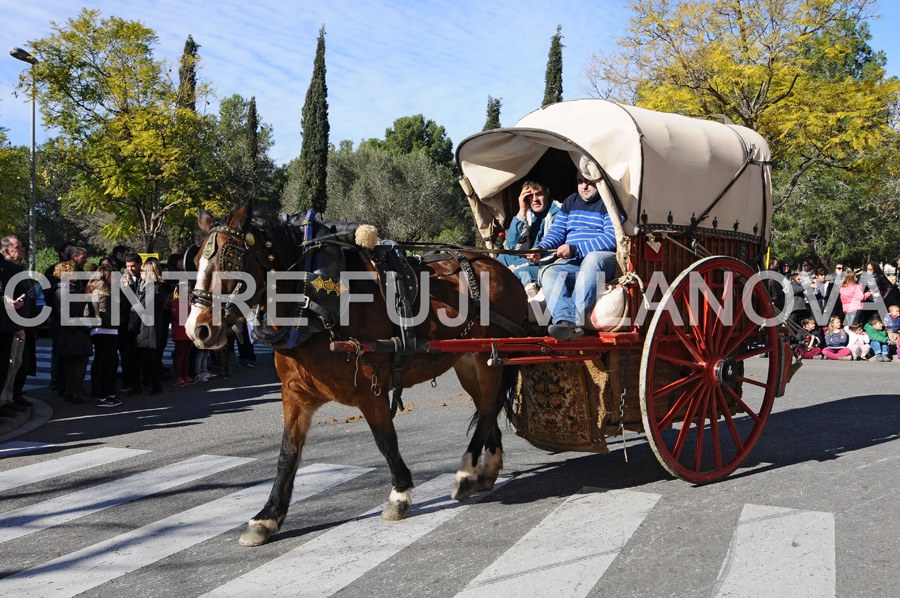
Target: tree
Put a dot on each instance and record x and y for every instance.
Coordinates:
(243, 166)
(553, 88)
(14, 185)
(187, 75)
(313, 164)
(414, 133)
(405, 195)
(122, 131)
(764, 64)
(493, 114)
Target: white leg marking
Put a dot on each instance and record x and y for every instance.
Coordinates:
(466, 469)
(400, 497)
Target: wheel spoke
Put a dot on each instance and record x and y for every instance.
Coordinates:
(677, 384)
(753, 353)
(677, 361)
(734, 344)
(676, 408)
(727, 297)
(743, 405)
(726, 413)
(701, 424)
(753, 382)
(687, 343)
(714, 427)
(685, 428)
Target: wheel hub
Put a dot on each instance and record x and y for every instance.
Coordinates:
(726, 372)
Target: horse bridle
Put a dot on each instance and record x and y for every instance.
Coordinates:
(231, 259)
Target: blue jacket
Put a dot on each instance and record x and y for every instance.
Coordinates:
(525, 234)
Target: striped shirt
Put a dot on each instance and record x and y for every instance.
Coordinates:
(586, 225)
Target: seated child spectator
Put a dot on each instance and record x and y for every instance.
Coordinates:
(892, 323)
(857, 341)
(815, 342)
(878, 339)
(836, 341)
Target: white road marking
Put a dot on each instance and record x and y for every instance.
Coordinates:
(15, 447)
(777, 552)
(342, 555)
(22, 476)
(56, 511)
(90, 567)
(567, 552)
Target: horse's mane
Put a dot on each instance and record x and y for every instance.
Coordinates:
(284, 237)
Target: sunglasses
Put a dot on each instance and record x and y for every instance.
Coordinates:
(839, 268)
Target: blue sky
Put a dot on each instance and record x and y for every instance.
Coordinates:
(385, 59)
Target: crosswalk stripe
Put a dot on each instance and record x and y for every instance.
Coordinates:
(779, 552)
(39, 472)
(90, 567)
(342, 555)
(15, 447)
(567, 552)
(56, 511)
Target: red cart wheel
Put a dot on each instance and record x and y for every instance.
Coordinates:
(704, 402)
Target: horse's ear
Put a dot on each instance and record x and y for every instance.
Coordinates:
(205, 220)
(242, 216)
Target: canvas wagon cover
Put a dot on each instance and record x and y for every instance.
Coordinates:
(664, 168)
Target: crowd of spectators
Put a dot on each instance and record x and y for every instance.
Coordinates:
(846, 314)
(122, 344)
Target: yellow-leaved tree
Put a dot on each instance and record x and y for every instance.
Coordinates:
(796, 71)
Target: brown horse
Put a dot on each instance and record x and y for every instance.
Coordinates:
(312, 375)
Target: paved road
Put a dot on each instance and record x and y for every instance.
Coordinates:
(150, 498)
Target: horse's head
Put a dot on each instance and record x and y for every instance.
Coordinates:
(229, 278)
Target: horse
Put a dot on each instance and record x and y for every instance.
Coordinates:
(312, 375)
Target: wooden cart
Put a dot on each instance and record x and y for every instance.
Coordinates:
(702, 356)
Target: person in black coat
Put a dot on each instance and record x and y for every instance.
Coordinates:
(73, 340)
(150, 330)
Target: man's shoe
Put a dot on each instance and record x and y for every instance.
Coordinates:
(109, 402)
(251, 364)
(563, 330)
(21, 401)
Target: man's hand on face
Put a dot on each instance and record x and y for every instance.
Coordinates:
(525, 201)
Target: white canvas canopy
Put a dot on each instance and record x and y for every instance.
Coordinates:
(657, 170)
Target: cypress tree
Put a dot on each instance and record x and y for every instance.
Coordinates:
(187, 75)
(553, 78)
(493, 114)
(314, 149)
(253, 147)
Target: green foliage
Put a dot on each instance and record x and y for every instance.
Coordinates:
(493, 114)
(15, 177)
(838, 218)
(187, 75)
(131, 148)
(243, 167)
(45, 257)
(553, 87)
(405, 195)
(312, 167)
(414, 133)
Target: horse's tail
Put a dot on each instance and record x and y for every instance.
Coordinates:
(508, 385)
(509, 381)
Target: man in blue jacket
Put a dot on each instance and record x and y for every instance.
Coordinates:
(528, 227)
(583, 236)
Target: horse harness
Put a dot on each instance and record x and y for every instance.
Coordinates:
(320, 288)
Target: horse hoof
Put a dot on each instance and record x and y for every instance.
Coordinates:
(484, 484)
(256, 534)
(395, 511)
(464, 488)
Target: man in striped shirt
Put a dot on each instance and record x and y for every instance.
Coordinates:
(584, 239)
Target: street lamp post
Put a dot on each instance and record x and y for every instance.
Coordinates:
(25, 56)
